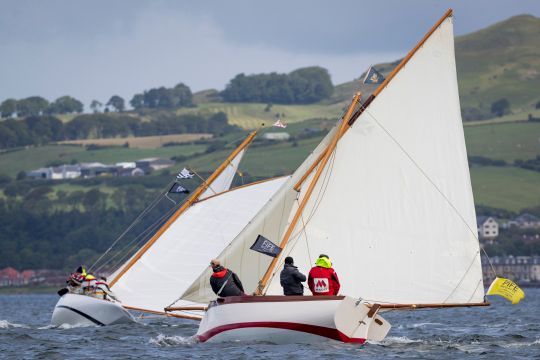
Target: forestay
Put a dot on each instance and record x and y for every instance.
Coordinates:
(184, 250)
(395, 211)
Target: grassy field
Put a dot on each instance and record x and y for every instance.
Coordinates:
(27, 159)
(508, 142)
(251, 116)
(506, 187)
(141, 142)
(519, 116)
(279, 159)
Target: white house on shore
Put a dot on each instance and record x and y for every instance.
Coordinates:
(488, 228)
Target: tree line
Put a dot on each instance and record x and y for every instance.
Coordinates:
(40, 130)
(302, 86)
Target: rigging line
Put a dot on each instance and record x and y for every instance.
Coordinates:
(143, 234)
(490, 263)
(424, 174)
(136, 221)
(320, 194)
(463, 277)
(318, 200)
(307, 242)
(143, 237)
(436, 188)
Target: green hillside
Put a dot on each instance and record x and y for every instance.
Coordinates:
(501, 61)
(251, 116)
(507, 142)
(32, 158)
(505, 187)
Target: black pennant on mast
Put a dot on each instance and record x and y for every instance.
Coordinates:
(373, 76)
(178, 189)
(265, 246)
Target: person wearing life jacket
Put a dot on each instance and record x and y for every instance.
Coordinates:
(225, 282)
(103, 290)
(89, 285)
(322, 279)
(74, 282)
(291, 279)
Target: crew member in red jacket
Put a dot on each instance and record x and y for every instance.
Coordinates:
(322, 279)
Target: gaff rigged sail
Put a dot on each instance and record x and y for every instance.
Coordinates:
(393, 207)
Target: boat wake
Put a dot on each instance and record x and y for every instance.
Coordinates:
(523, 344)
(164, 340)
(4, 324)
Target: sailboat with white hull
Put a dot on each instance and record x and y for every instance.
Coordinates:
(169, 261)
(387, 194)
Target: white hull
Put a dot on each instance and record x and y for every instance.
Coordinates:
(78, 310)
(278, 319)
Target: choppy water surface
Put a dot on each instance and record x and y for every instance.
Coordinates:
(499, 331)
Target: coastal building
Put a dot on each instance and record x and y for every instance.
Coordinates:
(56, 172)
(523, 269)
(151, 164)
(527, 221)
(488, 228)
(277, 136)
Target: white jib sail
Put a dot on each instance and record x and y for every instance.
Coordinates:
(395, 212)
(271, 222)
(184, 250)
(224, 180)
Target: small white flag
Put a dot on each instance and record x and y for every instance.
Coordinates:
(280, 124)
(184, 174)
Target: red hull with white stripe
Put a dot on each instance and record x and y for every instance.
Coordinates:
(278, 319)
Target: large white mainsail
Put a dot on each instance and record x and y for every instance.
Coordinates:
(394, 206)
(406, 229)
(184, 250)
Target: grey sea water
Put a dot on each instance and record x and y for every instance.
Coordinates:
(501, 331)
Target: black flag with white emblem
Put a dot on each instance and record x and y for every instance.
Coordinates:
(265, 246)
(178, 189)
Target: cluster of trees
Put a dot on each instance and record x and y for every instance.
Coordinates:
(484, 161)
(33, 130)
(38, 232)
(163, 98)
(302, 86)
(498, 108)
(39, 130)
(36, 105)
(531, 164)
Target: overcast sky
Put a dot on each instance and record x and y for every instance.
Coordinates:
(94, 49)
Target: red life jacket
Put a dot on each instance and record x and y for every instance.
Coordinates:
(323, 281)
(220, 274)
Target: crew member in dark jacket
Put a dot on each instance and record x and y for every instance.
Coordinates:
(291, 279)
(224, 282)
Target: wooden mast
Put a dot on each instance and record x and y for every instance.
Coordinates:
(377, 91)
(193, 198)
(323, 162)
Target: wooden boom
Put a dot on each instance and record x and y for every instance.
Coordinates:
(193, 198)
